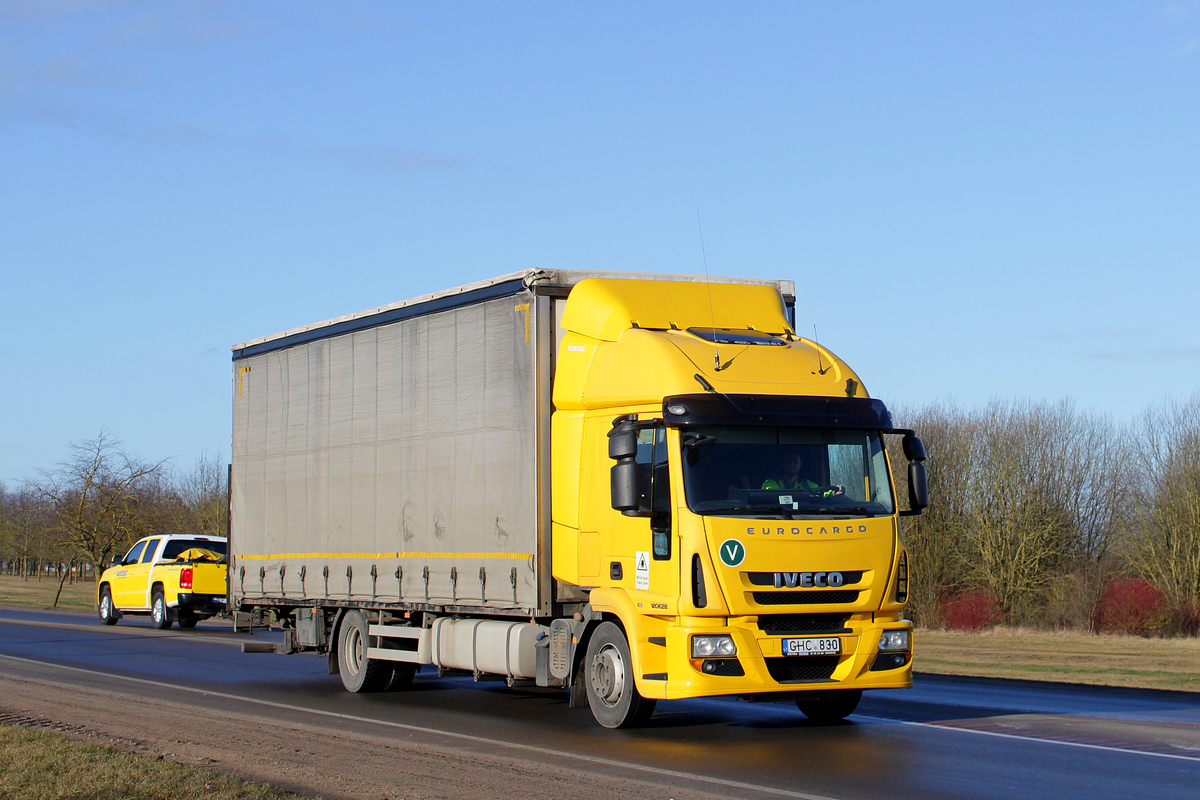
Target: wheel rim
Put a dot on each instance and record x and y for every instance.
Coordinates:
(608, 675)
(353, 651)
(158, 609)
(105, 606)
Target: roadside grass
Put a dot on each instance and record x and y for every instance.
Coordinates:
(32, 593)
(47, 766)
(1062, 656)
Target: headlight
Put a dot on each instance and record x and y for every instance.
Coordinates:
(713, 646)
(893, 640)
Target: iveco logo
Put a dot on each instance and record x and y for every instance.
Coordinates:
(808, 580)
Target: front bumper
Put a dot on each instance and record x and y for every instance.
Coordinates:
(763, 669)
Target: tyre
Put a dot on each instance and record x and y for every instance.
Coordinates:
(160, 615)
(402, 676)
(830, 706)
(187, 617)
(608, 679)
(359, 673)
(108, 613)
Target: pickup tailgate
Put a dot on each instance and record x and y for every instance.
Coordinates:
(207, 578)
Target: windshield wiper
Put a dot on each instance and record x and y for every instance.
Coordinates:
(786, 513)
(840, 510)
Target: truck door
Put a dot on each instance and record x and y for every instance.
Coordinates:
(646, 541)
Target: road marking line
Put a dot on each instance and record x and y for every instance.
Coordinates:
(1020, 737)
(545, 751)
(208, 635)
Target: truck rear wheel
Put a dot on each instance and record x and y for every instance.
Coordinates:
(187, 617)
(402, 676)
(830, 706)
(160, 615)
(360, 673)
(108, 614)
(608, 677)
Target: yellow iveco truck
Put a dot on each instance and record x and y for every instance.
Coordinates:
(635, 487)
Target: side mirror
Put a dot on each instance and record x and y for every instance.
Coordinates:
(914, 448)
(623, 478)
(918, 482)
(918, 486)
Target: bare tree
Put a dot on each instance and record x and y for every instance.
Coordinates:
(935, 539)
(203, 492)
(1024, 498)
(1165, 546)
(94, 498)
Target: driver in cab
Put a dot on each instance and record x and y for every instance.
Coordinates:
(788, 478)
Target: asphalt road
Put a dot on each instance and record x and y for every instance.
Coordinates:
(945, 738)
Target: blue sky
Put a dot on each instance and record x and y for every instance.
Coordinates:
(976, 200)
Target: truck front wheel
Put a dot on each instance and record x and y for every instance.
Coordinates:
(160, 615)
(608, 677)
(108, 614)
(830, 706)
(359, 673)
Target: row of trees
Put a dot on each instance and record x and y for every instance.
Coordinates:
(90, 508)
(1039, 510)
(1041, 514)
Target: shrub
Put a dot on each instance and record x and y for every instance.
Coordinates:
(973, 610)
(1132, 606)
(1187, 617)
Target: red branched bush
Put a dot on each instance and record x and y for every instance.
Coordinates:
(1131, 606)
(974, 610)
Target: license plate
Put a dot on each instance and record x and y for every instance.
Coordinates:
(218, 601)
(813, 646)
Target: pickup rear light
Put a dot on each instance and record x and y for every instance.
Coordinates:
(185, 578)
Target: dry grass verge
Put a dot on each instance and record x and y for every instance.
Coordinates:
(47, 766)
(1067, 657)
(32, 593)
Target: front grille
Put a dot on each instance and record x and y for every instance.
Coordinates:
(849, 578)
(801, 669)
(806, 597)
(784, 624)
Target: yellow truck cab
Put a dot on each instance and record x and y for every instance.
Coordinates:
(169, 577)
(635, 487)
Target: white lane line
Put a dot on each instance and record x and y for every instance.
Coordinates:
(1022, 738)
(209, 636)
(542, 751)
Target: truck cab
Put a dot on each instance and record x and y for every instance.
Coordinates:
(734, 516)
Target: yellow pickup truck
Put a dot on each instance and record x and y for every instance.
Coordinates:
(170, 578)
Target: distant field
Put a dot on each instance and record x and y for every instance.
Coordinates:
(1062, 656)
(32, 593)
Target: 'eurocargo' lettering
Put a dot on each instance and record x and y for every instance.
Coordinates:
(810, 530)
(564, 479)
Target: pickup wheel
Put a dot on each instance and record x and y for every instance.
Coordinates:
(608, 677)
(160, 615)
(108, 614)
(831, 706)
(187, 617)
(360, 673)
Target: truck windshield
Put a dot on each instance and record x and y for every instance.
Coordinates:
(768, 472)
